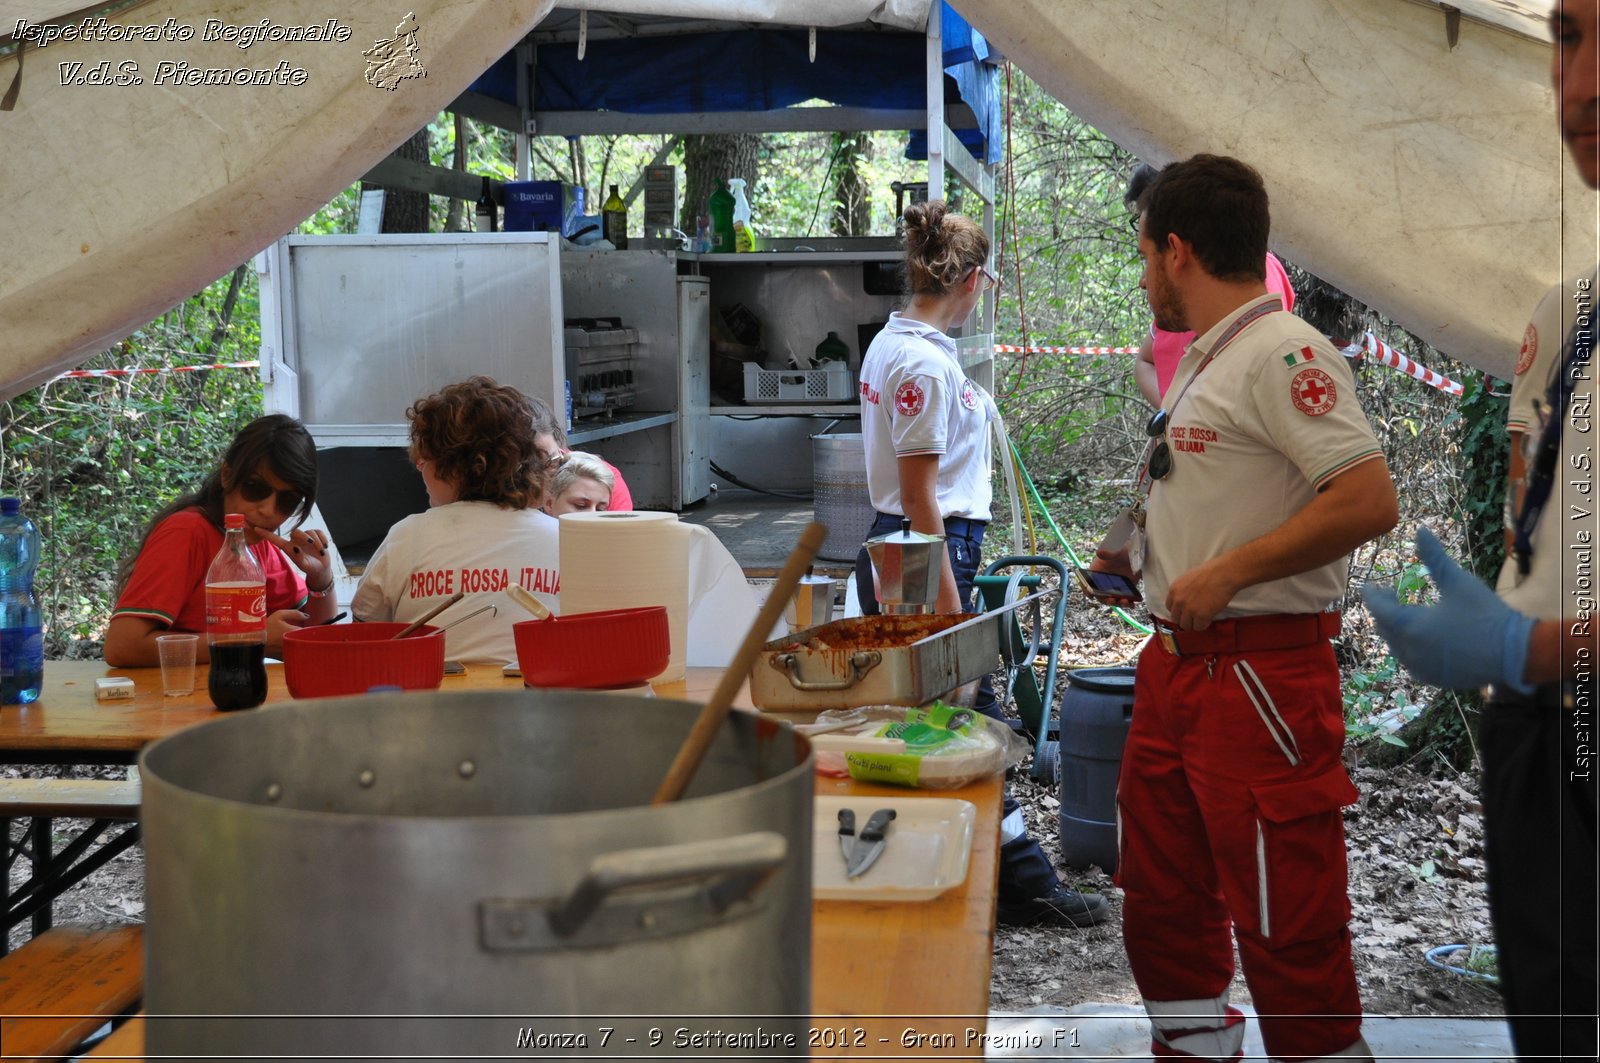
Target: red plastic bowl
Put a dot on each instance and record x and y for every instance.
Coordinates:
(337, 659)
(612, 648)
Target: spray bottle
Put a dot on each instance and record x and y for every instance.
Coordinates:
(744, 236)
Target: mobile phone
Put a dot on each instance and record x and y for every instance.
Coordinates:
(1099, 584)
(454, 668)
(512, 670)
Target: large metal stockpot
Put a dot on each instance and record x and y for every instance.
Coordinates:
(483, 869)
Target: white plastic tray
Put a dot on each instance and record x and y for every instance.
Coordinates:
(926, 851)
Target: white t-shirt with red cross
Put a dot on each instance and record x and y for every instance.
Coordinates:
(1542, 344)
(474, 547)
(1563, 539)
(915, 399)
(1270, 420)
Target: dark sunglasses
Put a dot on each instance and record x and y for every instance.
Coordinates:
(1160, 458)
(255, 489)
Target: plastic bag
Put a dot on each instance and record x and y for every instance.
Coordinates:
(936, 747)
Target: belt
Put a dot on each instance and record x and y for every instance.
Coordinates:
(1547, 696)
(1274, 631)
(965, 527)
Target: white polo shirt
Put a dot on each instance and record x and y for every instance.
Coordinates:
(915, 399)
(1563, 540)
(1271, 419)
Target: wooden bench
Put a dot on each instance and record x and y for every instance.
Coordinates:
(65, 984)
(42, 801)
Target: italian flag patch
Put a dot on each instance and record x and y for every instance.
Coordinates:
(1303, 355)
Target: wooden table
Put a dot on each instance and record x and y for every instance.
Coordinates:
(888, 979)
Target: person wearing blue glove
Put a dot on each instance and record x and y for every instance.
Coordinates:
(1531, 642)
(1470, 639)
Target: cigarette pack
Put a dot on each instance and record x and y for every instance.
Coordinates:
(117, 686)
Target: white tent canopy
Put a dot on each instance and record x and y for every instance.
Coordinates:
(1423, 176)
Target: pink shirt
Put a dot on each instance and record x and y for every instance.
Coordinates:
(1166, 348)
(621, 497)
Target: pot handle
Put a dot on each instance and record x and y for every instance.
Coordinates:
(743, 863)
(861, 662)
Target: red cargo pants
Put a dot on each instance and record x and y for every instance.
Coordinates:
(1229, 804)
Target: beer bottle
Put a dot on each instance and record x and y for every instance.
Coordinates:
(614, 215)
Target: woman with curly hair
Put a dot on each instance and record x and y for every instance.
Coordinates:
(473, 444)
(269, 474)
(925, 428)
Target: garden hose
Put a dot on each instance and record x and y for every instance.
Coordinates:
(1071, 554)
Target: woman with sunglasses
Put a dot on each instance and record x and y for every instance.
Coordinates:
(925, 427)
(269, 474)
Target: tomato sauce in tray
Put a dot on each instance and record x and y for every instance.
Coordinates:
(871, 632)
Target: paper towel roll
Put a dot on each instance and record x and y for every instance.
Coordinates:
(625, 560)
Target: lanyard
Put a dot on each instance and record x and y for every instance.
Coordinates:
(1542, 477)
(1142, 482)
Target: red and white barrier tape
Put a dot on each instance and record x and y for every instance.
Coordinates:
(1002, 348)
(1370, 346)
(159, 369)
(1387, 355)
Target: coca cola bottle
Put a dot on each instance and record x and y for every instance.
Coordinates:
(236, 622)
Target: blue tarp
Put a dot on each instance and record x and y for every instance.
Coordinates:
(761, 70)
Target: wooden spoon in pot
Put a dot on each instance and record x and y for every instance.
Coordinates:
(716, 709)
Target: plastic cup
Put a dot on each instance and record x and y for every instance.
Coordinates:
(177, 663)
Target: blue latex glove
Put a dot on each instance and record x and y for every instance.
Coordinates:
(1470, 639)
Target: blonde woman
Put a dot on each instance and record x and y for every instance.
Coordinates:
(925, 427)
(583, 484)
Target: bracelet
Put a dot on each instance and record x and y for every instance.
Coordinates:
(323, 593)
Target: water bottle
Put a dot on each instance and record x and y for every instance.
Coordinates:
(236, 622)
(21, 638)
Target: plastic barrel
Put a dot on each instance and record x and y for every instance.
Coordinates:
(839, 489)
(1096, 711)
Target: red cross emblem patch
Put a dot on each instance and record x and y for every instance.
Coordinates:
(1530, 349)
(1313, 392)
(969, 397)
(909, 399)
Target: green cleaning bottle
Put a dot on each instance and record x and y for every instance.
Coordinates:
(833, 349)
(720, 206)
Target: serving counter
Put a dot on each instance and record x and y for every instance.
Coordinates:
(888, 978)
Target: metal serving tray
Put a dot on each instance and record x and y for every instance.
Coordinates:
(876, 660)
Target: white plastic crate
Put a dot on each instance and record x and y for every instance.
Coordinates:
(833, 382)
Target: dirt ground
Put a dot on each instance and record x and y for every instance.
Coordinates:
(1415, 845)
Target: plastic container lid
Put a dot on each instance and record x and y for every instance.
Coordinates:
(10, 506)
(233, 520)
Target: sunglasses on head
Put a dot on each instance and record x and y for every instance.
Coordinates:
(1160, 458)
(255, 489)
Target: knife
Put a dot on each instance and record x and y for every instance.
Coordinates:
(869, 844)
(847, 834)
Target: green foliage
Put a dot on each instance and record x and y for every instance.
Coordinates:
(1485, 460)
(92, 458)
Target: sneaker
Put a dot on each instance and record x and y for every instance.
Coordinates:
(1060, 907)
